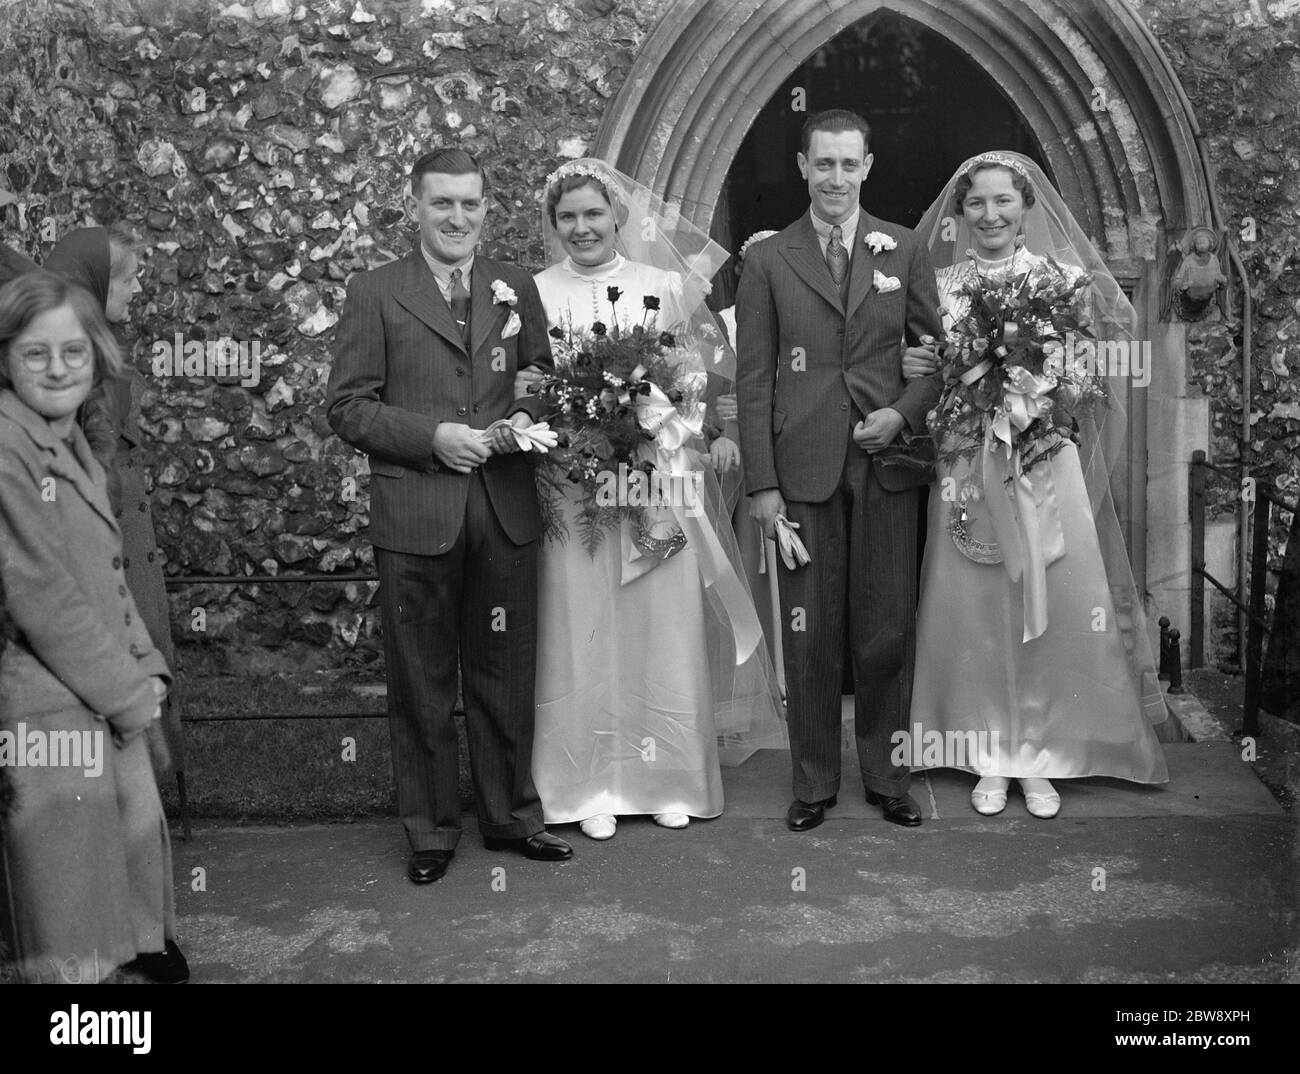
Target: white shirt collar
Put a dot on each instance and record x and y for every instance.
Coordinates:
(442, 272)
(848, 229)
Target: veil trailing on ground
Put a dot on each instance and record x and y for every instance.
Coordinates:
(747, 708)
(1049, 229)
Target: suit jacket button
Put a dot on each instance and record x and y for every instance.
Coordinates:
(126, 563)
(461, 411)
(144, 507)
(135, 649)
(844, 406)
(117, 563)
(121, 591)
(459, 371)
(127, 617)
(476, 410)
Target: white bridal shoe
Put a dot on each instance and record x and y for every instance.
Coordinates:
(1040, 799)
(600, 826)
(672, 820)
(990, 795)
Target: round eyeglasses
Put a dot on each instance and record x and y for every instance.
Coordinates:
(36, 357)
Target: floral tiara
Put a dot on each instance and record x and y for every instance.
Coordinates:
(994, 158)
(578, 167)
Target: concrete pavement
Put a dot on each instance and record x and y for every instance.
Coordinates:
(1192, 882)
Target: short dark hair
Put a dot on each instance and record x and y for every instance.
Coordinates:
(966, 180)
(446, 162)
(560, 187)
(834, 120)
(26, 297)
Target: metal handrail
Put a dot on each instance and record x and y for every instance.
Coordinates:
(1252, 615)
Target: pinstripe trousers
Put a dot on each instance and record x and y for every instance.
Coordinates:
(475, 605)
(862, 575)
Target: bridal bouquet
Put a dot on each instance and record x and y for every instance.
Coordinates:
(615, 391)
(1013, 367)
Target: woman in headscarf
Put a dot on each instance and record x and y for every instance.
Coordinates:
(105, 262)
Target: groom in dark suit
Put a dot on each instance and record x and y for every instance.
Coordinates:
(821, 315)
(425, 359)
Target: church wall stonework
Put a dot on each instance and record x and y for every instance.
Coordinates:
(261, 149)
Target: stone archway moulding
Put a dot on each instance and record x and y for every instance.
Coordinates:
(1091, 84)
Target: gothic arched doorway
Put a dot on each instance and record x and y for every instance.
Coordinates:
(1102, 111)
(929, 106)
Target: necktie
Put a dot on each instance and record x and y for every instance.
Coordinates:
(837, 257)
(458, 299)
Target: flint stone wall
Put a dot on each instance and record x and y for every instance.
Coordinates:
(261, 150)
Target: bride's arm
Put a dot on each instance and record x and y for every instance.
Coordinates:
(922, 320)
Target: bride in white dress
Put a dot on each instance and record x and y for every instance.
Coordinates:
(1049, 670)
(637, 673)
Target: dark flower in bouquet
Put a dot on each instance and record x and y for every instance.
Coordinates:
(596, 401)
(1010, 371)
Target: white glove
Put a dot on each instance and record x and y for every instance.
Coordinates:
(793, 553)
(506, 438)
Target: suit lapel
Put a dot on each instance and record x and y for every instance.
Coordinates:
(862, 275)
(484, 313)
(803, 253)
(420, 296)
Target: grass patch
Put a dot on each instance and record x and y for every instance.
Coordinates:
(291, 768)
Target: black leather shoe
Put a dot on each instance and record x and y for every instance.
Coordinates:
(167, 966)
(804, 816)
(540, 847)
(426, 866)
(902, 810)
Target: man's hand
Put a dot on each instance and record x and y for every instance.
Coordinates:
(879, 429)
(525, 379)
(458, 448)
(919, 362)
(765, 506)
(725, 454)
(726, 408)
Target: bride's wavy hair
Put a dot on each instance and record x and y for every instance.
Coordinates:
(967, 180)
(560, 187)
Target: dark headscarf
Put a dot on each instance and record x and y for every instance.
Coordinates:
(13, 264)
(84, 257)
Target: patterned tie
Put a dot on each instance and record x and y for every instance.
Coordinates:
(458, 299)
(837, 257)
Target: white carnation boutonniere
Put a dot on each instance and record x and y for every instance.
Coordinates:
(879, 241)
(503, 294)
